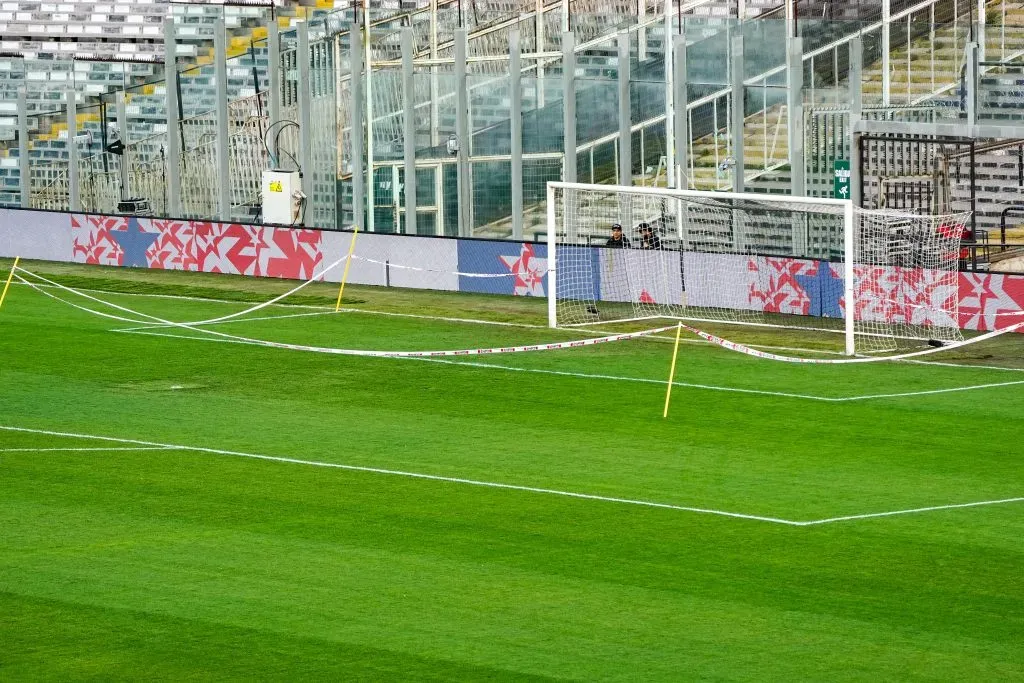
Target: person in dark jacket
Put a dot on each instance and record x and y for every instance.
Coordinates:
(648, 238)
(617, 241)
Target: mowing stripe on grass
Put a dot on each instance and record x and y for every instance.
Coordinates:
(412, 475)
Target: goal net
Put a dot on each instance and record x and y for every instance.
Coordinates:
(752, 259)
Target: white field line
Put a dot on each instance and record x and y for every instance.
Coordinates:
(583, 375)
(910, 511)
(962, 365)
(842, 399)
(88, 450)
(152, 445)
(401, 473)
(927, 392)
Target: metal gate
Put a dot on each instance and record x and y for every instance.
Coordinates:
(827, 139)
(917, 173)
(389, 197)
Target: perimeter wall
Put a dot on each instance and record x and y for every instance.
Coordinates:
(515, 268)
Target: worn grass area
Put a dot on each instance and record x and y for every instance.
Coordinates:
(173, 563)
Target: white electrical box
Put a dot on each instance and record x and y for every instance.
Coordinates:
(282, 197)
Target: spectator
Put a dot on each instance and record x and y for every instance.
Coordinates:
(648, 239)
(617, 241)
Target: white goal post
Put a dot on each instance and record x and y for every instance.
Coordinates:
(751, 259)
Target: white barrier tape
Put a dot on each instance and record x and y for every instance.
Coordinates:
(740, 348)
(315, 278)
(724, 343)
(981, 314)
(578, 343)
(906, 304)
(211, 321)
(443, 272)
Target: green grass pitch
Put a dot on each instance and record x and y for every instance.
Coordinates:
(274, 514)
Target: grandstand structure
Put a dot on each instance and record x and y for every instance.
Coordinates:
(480, 104)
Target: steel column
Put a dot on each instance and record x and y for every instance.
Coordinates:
(856, 114)
(25, 179)
(220, 50)
(569, 170)
(465, 188)
(358, 168)
(74, 191)
(625, 113)
(886, 49)
(681, 122)
(795, 105)
(971, 83)
(305, 118)
(516, 129)
(274, 77)
(371, 185)
(670, 95)
(409, 131)
(982, 20)
(538, 24)
(738, 110)
(122, 129)
(173, 160)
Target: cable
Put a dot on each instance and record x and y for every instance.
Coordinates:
(283, 123)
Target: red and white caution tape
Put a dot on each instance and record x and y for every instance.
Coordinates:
(578, 343)
(149, 319)
(746, 350)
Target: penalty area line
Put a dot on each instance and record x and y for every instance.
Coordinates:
(153, 445)
(910, 511)
(410, 475)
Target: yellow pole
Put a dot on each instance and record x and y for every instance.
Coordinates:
(10, 276)
(672, 372)
(348, 264)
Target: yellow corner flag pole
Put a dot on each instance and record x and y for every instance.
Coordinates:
(10, 276)
(348, 264)
(672, 372)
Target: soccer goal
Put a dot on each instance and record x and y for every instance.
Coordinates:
(752, 259)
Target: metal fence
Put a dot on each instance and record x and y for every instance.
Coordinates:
(355, 112)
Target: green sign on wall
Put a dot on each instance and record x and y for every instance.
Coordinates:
(841, 181)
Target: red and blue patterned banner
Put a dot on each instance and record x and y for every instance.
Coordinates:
(200, 246)
(759, 283)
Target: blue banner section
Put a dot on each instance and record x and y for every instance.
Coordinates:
(522, 267)
(825, 290)
(579, 275)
